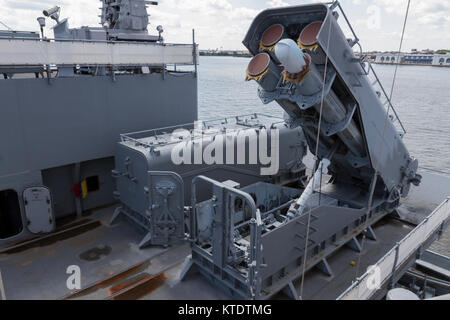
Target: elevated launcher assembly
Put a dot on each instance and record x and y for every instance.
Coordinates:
(251, 241)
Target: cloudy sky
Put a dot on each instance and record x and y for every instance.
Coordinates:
(223, 23)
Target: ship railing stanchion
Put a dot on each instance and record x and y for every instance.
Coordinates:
(394, 266)
(194, 52)
(2, 288)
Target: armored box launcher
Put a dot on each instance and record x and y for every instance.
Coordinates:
(154, 169)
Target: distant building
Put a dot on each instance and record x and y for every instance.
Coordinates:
(229, 53)
(416, 58)
(427, 51)
(390, 58)
(441, 59)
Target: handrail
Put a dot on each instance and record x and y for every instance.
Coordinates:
(255, 228)
(337, 4)
(385, 95)
(356, 41)
(238, 192)
(94, 41)
(154, 132)
(2, 288)
(399, 254)
(37, 51)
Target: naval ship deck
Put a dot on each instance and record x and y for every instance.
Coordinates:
(113, 267)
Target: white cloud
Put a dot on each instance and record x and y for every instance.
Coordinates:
(223, 23)
(217, 23)
(277, 3)
(22, 14)
(424, 12)
(392, 6)
(427, 26)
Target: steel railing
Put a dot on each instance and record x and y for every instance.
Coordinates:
(388, 100)
(363, 289)
(355, 41)
(2, 288)
(200, 127)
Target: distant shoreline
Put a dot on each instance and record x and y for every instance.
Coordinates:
(224, 54)
(413, 64)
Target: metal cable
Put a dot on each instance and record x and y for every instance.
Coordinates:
(399, 52)
(375, 178)
(6, 26)
(316, 158)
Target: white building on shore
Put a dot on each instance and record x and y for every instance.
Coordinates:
(413, 58)
(390, 58)
(441, 60)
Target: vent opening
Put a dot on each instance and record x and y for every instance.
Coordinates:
(93, 184)
(10, 217)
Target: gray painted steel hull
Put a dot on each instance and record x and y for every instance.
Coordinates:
(59, 131)
(69, 120)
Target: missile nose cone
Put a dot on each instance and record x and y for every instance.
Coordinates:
(290, 55)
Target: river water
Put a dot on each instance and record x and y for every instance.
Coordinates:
(421, 98)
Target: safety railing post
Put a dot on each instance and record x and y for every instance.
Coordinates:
(440, 214)
(2, 288)
(194, 52)
(394, 266)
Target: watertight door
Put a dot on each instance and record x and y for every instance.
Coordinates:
(166, 194)
(39, 210)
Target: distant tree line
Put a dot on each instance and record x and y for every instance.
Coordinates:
(225, 53)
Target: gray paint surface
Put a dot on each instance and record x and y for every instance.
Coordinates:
(387, 153)
(138, 158)
(50, 125)
(77, 119)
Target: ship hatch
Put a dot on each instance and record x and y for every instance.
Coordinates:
(10, 219)
(39, 210)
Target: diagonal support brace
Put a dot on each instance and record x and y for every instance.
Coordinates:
(115, 216)
(370, 234)
(354, 245)
(290, 291)
(188, 268)
(325, 267)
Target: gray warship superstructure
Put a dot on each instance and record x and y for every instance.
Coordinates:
(220, 228)
(65, 101)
